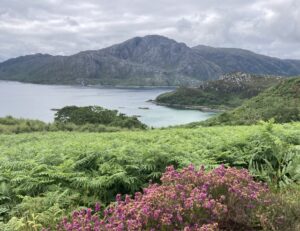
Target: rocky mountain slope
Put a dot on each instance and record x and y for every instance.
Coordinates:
(151, 60)
(233, 59)
(227, 92)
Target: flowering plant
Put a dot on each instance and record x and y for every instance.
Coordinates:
(222, 199)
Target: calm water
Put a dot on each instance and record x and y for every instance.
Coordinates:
(36, 101)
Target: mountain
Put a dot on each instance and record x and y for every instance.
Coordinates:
(281, 103)
(2, 58)
(151, 60)
(233, 59)
(231, 90)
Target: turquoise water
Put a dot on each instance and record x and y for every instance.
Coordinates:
(36, 101)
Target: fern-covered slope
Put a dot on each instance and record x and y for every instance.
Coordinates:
(46, 175)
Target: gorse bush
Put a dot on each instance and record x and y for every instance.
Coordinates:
(222, 199)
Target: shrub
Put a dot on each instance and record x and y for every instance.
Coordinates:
(283, 213)
(10, 125)
(222, 199)
(272, 159)
(269, 155)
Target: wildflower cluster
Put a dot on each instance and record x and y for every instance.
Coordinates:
(224, 198)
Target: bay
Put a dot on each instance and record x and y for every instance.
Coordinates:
(34, 101)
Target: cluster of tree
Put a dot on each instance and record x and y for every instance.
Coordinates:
(96, 115)
(72, 118)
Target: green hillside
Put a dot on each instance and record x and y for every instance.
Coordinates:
(229, 91)
(281, 103)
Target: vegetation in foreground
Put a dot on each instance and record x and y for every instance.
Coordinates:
(222, 199)
(45, 176)
(72, 118)
(230, 91)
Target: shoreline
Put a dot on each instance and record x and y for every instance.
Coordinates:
(117, 86)
(188, 107)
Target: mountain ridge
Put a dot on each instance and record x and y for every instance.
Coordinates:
(152, 60)
(231, 59)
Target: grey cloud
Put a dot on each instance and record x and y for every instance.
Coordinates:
(184, 25)
(269, 27)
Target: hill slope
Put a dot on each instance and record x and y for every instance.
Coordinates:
(151, 60)
(233, 59)
(281, 102)
(227, 92)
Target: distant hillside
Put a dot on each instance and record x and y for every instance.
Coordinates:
(233, 59)
(152, 60)
(281, 102)
(231, 90)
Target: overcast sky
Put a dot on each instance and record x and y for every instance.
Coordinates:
(64, 27)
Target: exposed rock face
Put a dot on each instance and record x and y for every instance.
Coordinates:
(166, 55)
(248, 85)
(242, 77)
(151, 60)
